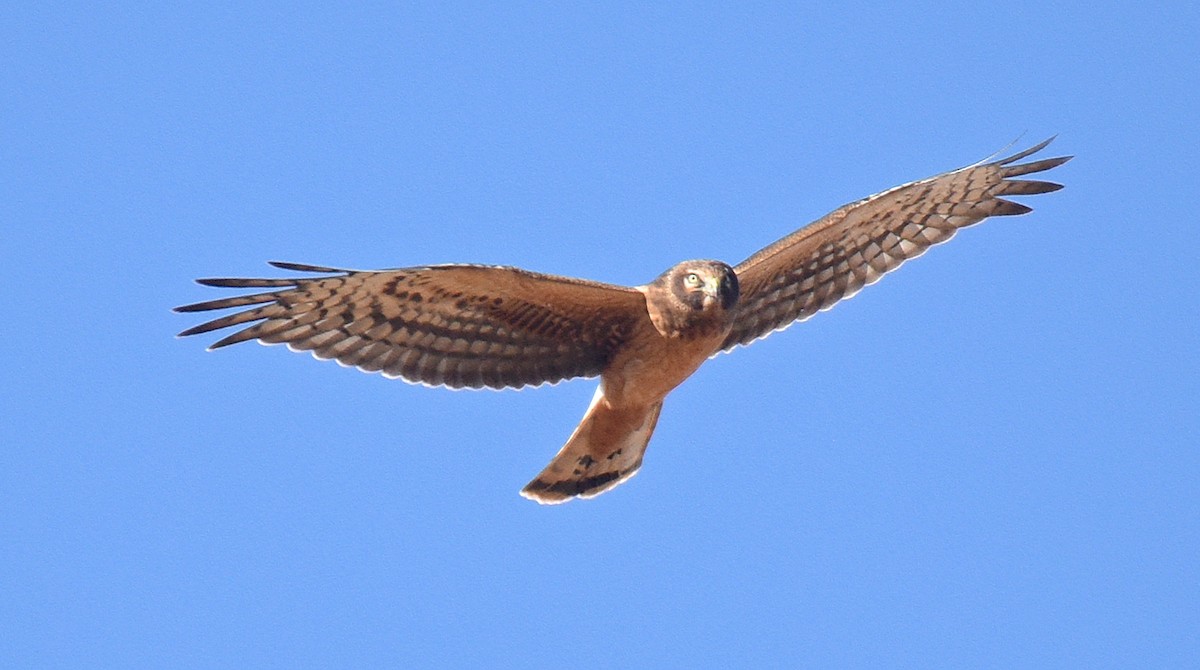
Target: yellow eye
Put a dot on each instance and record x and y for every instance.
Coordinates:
(692, 279)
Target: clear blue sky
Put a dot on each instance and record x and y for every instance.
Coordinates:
(990, 458)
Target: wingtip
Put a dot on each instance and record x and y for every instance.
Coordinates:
(189, 308)
(1027, 152)
(304, 267)
(235, 338)
(187, 333)
(1010, 208)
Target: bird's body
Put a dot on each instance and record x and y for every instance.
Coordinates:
(484, 326)
(673, 337)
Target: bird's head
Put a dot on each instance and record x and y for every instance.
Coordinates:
(703, 286)
(693, 293)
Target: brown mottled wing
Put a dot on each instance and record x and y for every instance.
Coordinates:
(851, 247)
(452, 325)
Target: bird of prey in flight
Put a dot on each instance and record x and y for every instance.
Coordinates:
(479, 326)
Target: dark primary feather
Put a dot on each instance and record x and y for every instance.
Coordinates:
(453, 325)
(853, 246)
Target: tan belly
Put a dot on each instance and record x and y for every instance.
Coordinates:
(646, 372)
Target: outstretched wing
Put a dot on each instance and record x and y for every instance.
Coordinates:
(452, 325)
(853, 246)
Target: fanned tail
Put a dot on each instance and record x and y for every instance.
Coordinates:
(605, 450)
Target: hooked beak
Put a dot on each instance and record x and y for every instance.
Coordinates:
(723, 292)
(715, 292)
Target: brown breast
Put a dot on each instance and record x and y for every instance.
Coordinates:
(652, 364)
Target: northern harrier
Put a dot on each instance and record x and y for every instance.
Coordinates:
(475, 326)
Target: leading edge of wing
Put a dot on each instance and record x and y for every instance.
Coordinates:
(1027, 188)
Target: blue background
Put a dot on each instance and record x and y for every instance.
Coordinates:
(988, 459)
